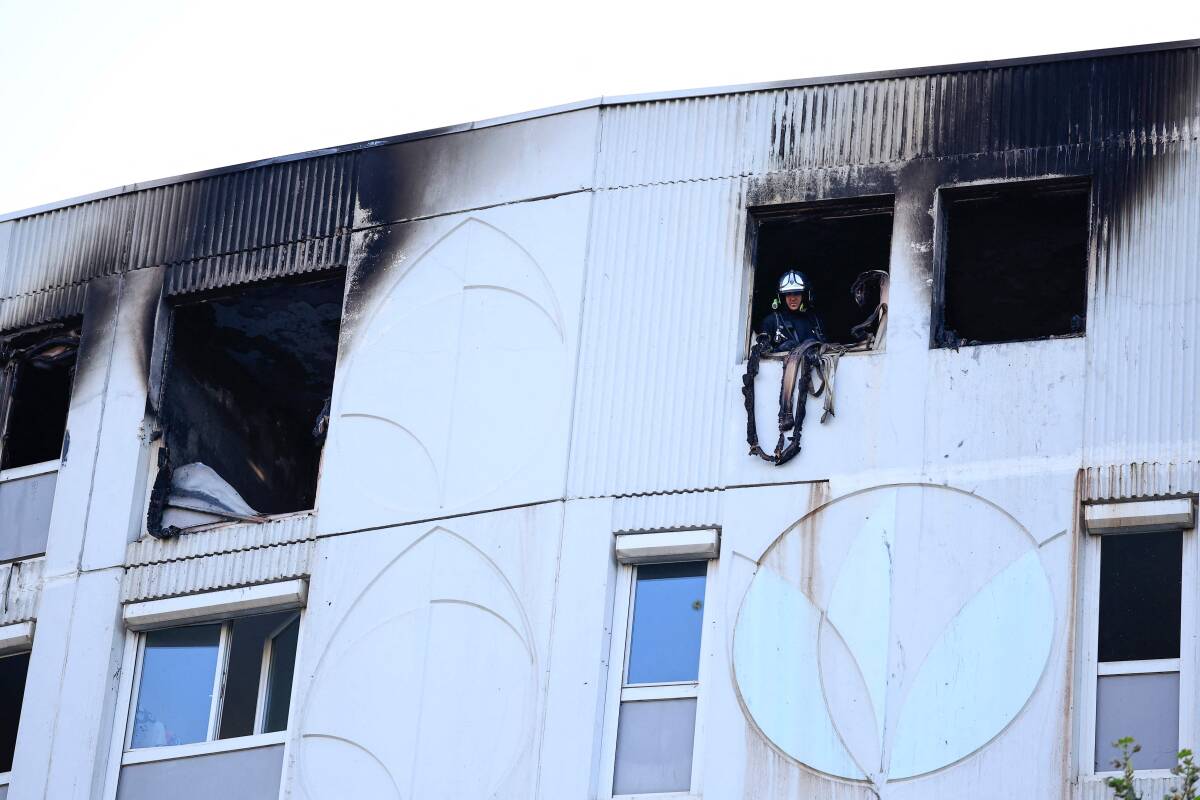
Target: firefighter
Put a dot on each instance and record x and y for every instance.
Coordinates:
(793, 322)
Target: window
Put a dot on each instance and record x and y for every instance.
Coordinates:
(1013, 262)
(654, 685)
(1137, 655)
(39, 367)
(832, 243)
(244, 402)
(13, 669)
(200, 683)
(35, 393)
(1138, 647)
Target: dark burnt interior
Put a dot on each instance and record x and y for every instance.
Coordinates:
(13, 670)
(1014, 264)
(247, 380)
(832, 243)
(38, 373)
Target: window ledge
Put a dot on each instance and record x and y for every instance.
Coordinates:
(219, 605)
(145, 755)
(5, 777)
(28, 471)
(1100, 777)
(658, 796)
(15, 638)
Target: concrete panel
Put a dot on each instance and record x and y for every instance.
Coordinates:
(523, 160)
(25, 508)
(235, 775)
(422, 659)
(457, 366)
(575, 686)
(70, 694)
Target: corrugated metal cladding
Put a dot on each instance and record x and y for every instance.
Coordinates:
(220, 571)
(1142, 97)
(228, 539)
(660, 331)
(215, 231)
(1095, 788)
(32, 309)
(667, 511)
(21, 584)
(1144, 324)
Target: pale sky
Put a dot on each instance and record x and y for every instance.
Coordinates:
(99, 94)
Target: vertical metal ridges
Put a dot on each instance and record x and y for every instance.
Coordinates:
(294, 258)
(240, 211)
(250, 225)
(1149, 97)
(65, 246)
(659, 332)
(218, 571)
(25, 310)
(20, 584)
(1144, 316)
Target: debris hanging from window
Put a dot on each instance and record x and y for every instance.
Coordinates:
(794, 331)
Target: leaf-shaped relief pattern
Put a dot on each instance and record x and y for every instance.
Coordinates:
(777, 670)
(979, 674)
(926, 627)
(457, 369)
(430, 681)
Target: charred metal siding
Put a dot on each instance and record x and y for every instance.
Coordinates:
(1135, 98)
(210, 232)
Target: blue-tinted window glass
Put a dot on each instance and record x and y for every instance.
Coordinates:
(668, 616)
(174, 697)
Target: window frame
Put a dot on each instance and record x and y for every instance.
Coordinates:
(848, 206)
(6, 776)
(946, 194)
(211, 744)
(1092, 668)
(617, 691)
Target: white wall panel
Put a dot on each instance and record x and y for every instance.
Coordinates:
(454, 384)
(422, 660)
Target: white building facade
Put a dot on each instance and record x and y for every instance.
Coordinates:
(524, 552)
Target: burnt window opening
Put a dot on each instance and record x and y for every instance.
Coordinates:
(39, 369)
(246, 388)
(833, 244)
(13, 671)
(1014, 262)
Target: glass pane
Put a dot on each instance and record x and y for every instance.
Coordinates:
(668, 616)
(174, 697)
(1145, 707)
(247, 639)
(279, 691)
(654, 746)
(13, 670)
(1140, 589)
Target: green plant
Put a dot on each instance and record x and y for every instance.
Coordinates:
(1190, 773)
(1123, 786)
(1185, 768)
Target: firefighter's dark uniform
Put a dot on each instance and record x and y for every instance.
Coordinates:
(787, 330)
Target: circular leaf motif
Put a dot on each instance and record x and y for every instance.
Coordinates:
(893, 632)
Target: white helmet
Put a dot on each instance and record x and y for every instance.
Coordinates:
(792, 282)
